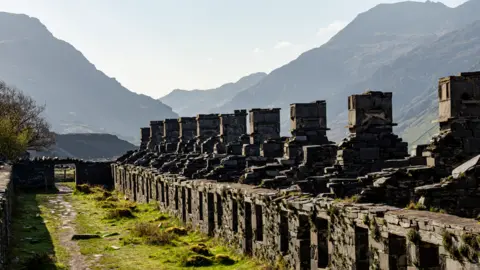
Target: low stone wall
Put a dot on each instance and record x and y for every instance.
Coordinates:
(6, 200)
(94, 173)
(33, 174)
(304, 232)
(40, 173)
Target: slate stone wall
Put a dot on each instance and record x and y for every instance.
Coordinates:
(94, 173)
(6, 202)
(40, 173)
(33, 175)
(306, 232)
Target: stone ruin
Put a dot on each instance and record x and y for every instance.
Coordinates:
(362, 204)
(156, 134)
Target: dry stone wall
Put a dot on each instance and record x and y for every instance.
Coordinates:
(6, 203)
(306, 232)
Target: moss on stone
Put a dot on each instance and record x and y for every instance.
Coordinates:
(413, 236)
(197, 261)
(224, 259)
(177, 230)
(201, 249)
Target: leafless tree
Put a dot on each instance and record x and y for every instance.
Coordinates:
(27, 115)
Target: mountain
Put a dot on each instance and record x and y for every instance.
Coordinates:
(358, 57)
(192, 102)
(79, 97)
(88, 146)
(414, 79)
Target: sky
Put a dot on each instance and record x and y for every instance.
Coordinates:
(155, 46)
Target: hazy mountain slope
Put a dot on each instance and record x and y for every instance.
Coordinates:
(375, 39)
(88, 146)
(190, 103)
(453, 53)
(78, 96)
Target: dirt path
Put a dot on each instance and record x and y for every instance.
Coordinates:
(67, 215)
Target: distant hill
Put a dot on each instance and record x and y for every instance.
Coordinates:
(192, 102)
(79, 97)
(391, 47)
(88, 146)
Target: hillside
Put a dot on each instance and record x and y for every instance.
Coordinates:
(193, 102)
(79, 97)
(88, 146)
(357, 57)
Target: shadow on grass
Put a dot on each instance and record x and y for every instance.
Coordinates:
(32, 246)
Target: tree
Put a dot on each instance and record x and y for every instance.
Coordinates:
(21, 123)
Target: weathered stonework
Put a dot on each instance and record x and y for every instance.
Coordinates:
(307, 232)
(308, 121)
(39, 173)
(274, 196)
(188, 130)
(232, 126)
(264, 124)
(459, 120)
(6, 204)
(144, 137)
(156, 134)
(208, 129)
(171, 133)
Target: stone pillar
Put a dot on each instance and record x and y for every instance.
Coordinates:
(171, 130)
(459, 122)
(208, 128)
(264, 124)
(232, 126)
(144, 137)
(156, 134)
(308, 125)
(370, 112)
(188, 128)
(308, 121)
(370, 143)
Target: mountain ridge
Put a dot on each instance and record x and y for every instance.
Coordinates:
(192, 102)
(338, 68)
(78, 96)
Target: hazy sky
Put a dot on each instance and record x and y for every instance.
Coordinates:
(154, 46)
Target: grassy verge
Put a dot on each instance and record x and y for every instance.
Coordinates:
(138, 236)
(35, 229)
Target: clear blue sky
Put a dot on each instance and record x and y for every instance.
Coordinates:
(154, 46)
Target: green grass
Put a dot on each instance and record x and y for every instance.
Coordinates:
(144, 241)
(34, 231)
(64, 175)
